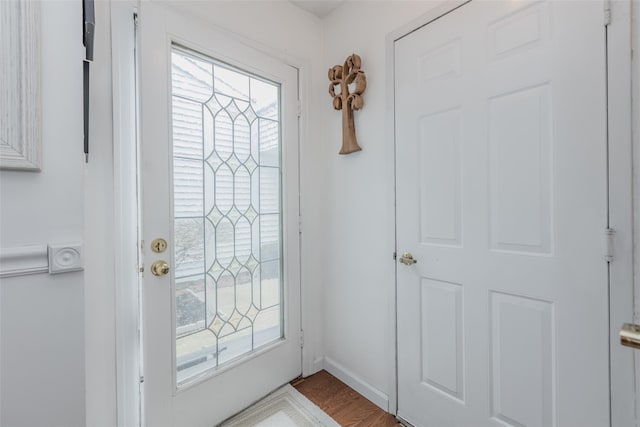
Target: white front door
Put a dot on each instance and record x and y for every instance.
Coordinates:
(219, 180)
(502, 200)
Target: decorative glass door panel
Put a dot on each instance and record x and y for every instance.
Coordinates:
(227, 212)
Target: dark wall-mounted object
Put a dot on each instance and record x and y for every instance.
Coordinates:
(88, 30)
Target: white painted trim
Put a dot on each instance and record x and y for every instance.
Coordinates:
(357, 383)
(125, 205)
(313, 351)
(65, 258)
(392, 296)
(21, 45)
(622, 372)
(635, 117)
(24, 260)
(36, 259)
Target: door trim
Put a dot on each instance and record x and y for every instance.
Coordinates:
(621, 273)
(635, 118)
(125, 201)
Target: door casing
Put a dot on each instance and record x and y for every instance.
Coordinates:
(620, 184)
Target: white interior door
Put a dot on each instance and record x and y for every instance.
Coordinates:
(502, 200)
(219, 171)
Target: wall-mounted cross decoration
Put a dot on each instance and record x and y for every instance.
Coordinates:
(348, 82)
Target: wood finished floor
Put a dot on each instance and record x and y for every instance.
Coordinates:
(342, 403)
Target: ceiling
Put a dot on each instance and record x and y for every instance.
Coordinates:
(319, 8)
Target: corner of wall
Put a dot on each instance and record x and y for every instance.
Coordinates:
(358, 384)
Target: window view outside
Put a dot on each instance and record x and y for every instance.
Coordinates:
(227, 215)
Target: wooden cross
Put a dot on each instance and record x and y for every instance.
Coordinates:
(348, 83)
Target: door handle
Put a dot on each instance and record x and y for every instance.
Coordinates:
(159, 268)
(407, 259)
(630, 335)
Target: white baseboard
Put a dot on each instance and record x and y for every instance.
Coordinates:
(311, 367)
(356, 383)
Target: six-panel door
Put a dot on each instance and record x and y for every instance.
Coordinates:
(501, 198)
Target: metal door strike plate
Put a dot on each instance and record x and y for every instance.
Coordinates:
(630, 335)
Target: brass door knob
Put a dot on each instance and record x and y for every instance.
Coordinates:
(159, 268)
(630, 335)
(407, 259)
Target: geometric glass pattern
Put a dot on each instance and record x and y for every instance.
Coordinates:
(227, 212)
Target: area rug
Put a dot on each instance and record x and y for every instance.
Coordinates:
(285, 407)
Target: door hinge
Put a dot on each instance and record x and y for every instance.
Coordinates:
(607, 13)
(300, 224)
(141, 379)
(301, 338)
(299, 108)
(609, 235)
(395, 256)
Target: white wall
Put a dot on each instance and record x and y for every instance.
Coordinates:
(360, 236)
(42, 316)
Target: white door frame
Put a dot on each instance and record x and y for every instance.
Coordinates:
(621, 212)
(622, 374)
(128, 345)
(125, 183)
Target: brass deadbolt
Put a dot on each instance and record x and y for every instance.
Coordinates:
(159, 245)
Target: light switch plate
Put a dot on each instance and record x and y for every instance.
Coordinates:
(65, 257)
